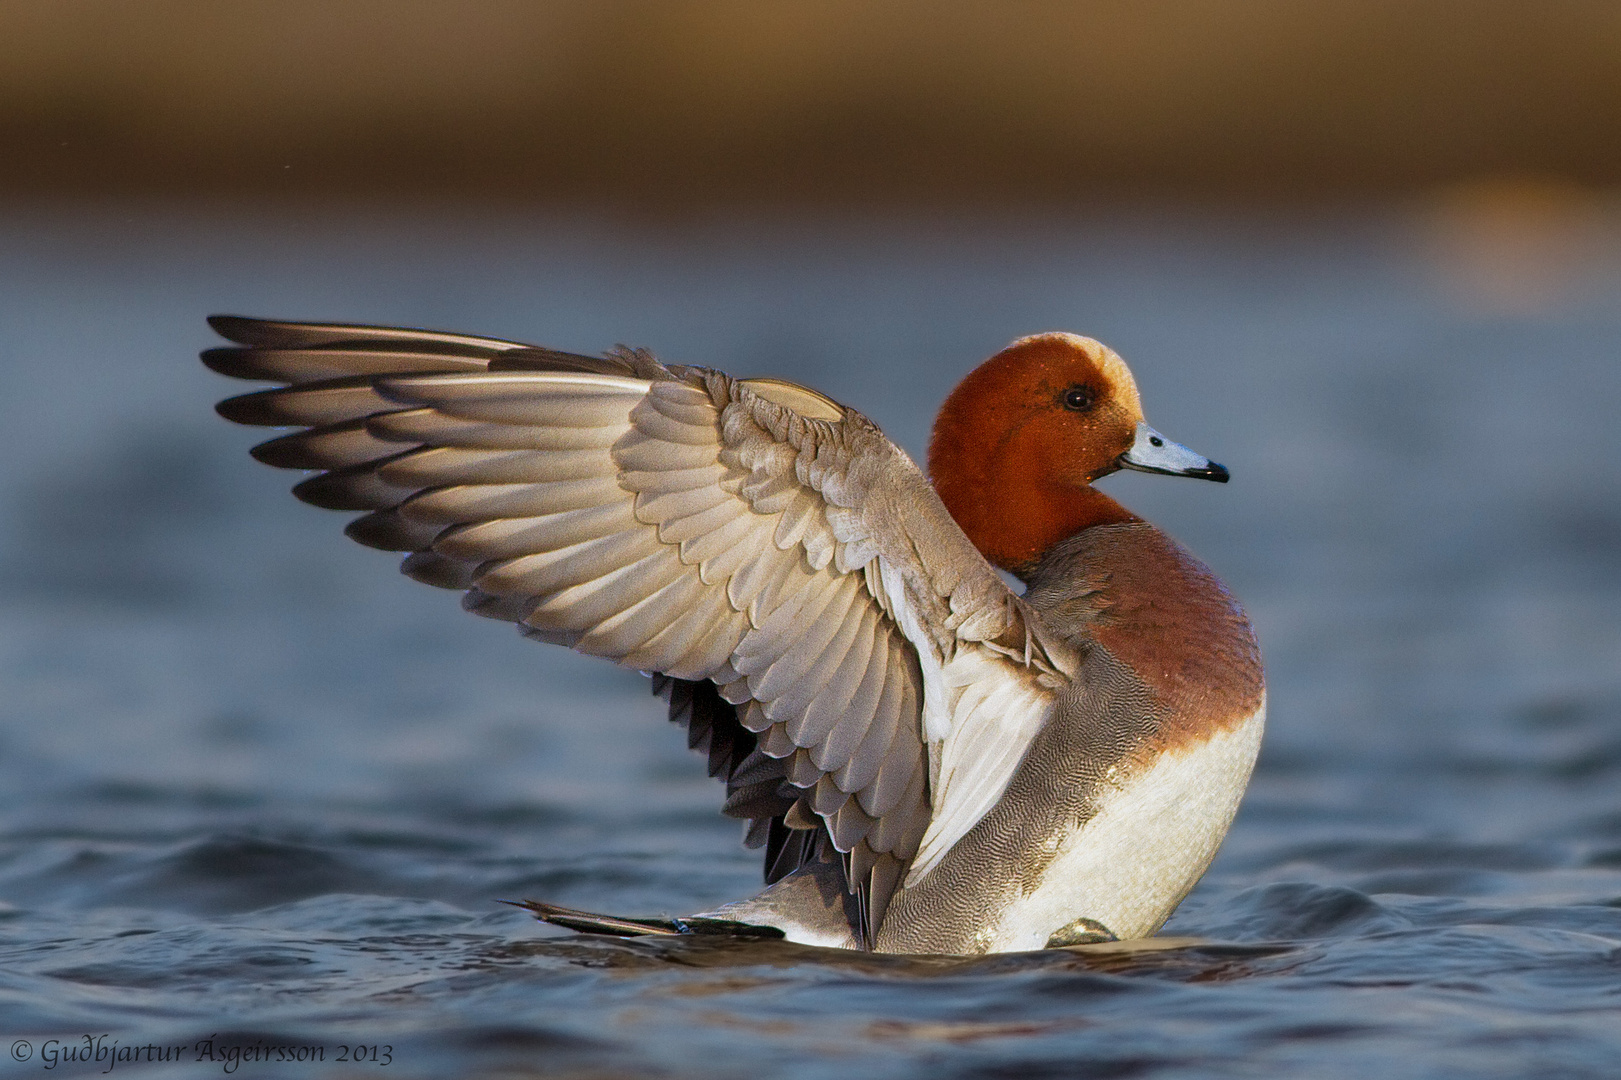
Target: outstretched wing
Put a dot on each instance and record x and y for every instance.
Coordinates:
(748, 533)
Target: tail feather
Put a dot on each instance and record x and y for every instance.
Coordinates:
(587, 922)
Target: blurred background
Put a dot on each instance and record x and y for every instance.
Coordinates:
(1366, 253)
(670, 105)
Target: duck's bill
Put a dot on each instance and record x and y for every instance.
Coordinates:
(1152, 452)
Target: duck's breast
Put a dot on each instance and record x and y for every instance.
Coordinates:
(1122, 801)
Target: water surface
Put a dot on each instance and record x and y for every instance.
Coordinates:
(257, 788)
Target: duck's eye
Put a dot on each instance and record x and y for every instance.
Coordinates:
(1079, 398)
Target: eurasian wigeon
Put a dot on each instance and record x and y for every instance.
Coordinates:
(931, 762)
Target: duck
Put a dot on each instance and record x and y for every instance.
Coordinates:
(930, 760)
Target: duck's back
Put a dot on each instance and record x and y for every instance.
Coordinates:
(1123, 798)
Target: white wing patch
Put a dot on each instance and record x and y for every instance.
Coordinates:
(981, 711)
(936, 716)
(995, 711)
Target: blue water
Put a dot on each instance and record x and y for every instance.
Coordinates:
(259, 794)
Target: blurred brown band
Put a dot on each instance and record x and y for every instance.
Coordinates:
(696, 101)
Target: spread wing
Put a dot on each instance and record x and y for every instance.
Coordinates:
(746, 533)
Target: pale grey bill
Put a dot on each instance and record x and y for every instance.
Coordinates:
(1152, 452)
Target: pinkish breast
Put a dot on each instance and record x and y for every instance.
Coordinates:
(1160, 611)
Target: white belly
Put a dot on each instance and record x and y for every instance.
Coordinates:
(1134, 860)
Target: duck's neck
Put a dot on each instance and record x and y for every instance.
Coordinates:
(1013, 517)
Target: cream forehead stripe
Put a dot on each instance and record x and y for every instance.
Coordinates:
(1114, 369)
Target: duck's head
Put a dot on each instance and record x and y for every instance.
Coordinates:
(1019, 441)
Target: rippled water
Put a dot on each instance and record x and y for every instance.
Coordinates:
(259, 795)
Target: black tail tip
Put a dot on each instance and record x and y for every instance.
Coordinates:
(587, 922)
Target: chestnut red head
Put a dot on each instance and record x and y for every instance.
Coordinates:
(1018, 443)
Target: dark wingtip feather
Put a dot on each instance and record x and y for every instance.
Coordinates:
(278, 334)
(566, 638)
(510, 609)
(232, 361)
(257, 409)
(287, 452)
(274, 334)
(229, 408)
(238, 328)
(388, 530)
(434, 569)
(357, 487)
(542, 359)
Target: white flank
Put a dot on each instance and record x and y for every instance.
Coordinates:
(1147, 846)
